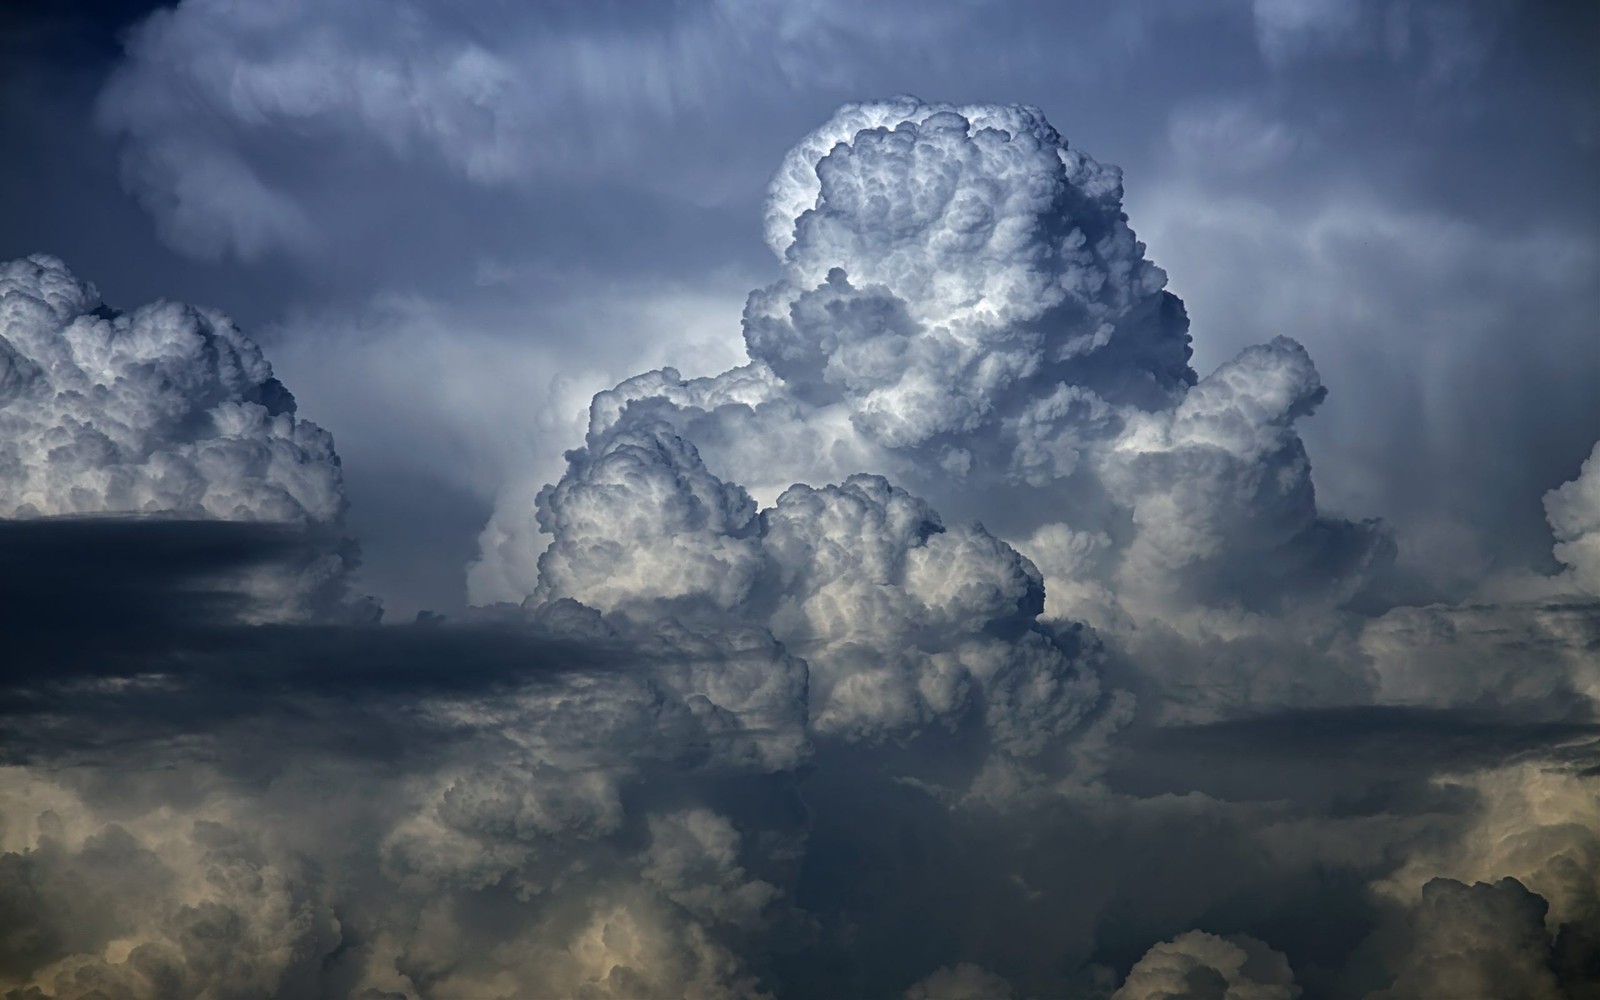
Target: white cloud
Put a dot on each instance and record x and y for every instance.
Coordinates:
(168, 409)
(965, 309)
(1573, 510)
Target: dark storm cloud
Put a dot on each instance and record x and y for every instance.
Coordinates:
(80, 592)
(121, 632)
(116, 596)
(1354, 757)
(117, 634)
(1369, 734)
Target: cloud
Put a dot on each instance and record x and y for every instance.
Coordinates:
(1573, 510)
(168, 631)
(888, 606)
(1231, 138)
(507, 753)
(188, 907)
(1536, 822)
(167, 409)
(1005, 249)
(459, 399)
(1197, 964)
(476, 93)
(1446, 41)
(777, 700)
(965, 308)
(1444, 349)
(645, 503)
(1526, 644)
(1479, 940)
(1535, 657)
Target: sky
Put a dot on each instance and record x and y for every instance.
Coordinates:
(736, 498)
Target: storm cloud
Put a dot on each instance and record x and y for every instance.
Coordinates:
(968, 629)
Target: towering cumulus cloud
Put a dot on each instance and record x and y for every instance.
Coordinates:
(965, 316)
(964, 310)
(964, 643)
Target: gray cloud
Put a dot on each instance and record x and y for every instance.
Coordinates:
(1163, 721)
(1191, 511)
(1478, 940)
(831, 745)
(491, 99)
(1198, 964)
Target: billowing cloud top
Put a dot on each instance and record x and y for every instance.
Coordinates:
(167, 408)
(965, 309)
(944, 264)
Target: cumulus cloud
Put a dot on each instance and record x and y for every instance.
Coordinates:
(1537, 823)
(1447, 345)
(1476, 940)
(1197, 964)
(194, 598)
(962, 641)
(1005, 250)
(155, 906)
(889, 608)
(604, 779)
(168, 409)
(1573, 510)
(965, 309)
